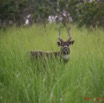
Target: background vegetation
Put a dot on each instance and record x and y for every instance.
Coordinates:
(24, 82)
(91, 14)
(84, 13)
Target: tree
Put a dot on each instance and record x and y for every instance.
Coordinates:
(91, 14)
(11, 10)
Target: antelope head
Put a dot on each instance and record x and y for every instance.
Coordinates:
(65, 50)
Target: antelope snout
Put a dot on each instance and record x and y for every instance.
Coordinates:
(66, 50)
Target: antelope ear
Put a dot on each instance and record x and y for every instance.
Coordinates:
(59, 43)
(71, 42)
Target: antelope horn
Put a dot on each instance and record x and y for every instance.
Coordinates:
(70, 37)
(59, 35)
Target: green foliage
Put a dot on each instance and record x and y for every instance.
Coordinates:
(11, 10)
(24, 82)
(85, 14)
(91, 14)
(42, 11)
(72, 8)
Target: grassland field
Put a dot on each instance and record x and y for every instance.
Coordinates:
(24, 82)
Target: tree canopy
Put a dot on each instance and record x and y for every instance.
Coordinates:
(16, 10)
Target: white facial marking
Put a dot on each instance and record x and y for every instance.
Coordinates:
(65, 46)
(66, 57)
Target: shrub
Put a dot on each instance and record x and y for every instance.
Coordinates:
(90, 14)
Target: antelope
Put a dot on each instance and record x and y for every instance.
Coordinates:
(63, 54)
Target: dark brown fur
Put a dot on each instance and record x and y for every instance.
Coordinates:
(39, 54)
(64, 50)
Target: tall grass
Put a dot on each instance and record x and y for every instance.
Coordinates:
(24, 82)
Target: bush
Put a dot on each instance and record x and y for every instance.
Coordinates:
(90, 14)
